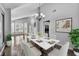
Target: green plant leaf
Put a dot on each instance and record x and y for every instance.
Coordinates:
(74, 36)
(9, 37)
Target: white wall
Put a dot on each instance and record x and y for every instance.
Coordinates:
(7, 21)
(62, 11)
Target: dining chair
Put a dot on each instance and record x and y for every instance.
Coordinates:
(28, 38)
(28, 42)
(62, 52)
(29, 51)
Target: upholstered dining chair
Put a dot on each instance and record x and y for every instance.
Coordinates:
(62, 52)
(29, 51)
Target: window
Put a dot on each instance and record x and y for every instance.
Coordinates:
(1, 29)
(18, 27)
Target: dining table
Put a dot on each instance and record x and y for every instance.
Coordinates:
(45, 44)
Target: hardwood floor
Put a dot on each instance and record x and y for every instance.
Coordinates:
(16, 51)
(7, 51)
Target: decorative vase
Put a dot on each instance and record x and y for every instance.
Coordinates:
(9, 43)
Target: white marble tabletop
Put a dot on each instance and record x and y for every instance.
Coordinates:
(44, 44)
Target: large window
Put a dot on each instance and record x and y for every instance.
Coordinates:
(1, 29)
(18, 27)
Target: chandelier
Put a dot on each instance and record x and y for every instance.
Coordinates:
(39, 15)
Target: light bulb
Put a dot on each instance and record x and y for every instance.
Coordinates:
(42, 15)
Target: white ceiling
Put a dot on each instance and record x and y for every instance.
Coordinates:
(19, 10)
(12, 5)
(25, 10)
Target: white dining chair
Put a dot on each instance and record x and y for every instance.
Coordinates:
(29, 43)
(62, 52)
(28, 38)
(29, 51)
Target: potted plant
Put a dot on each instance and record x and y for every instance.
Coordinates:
(74, 36)
(9, 40)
